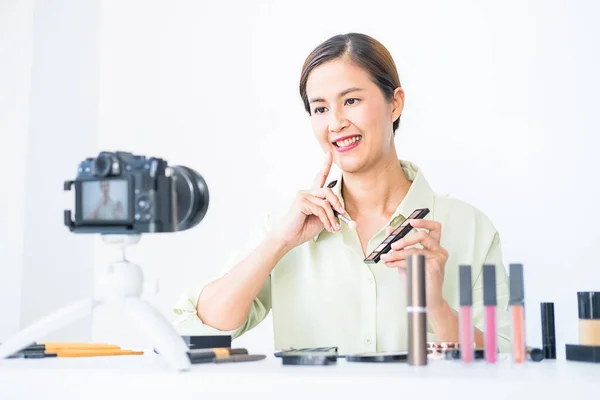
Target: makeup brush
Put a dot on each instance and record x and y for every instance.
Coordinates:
(351, 224)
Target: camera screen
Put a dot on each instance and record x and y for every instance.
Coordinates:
(105, 200)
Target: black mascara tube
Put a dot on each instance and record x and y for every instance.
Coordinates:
(548, 332)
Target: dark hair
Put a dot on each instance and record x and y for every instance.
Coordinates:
(361, 50)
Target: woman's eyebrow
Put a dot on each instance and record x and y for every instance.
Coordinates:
(342, 94)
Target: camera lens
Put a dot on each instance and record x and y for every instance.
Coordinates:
(192, 197)
(103, 164)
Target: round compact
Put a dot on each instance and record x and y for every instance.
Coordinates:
(379, 357)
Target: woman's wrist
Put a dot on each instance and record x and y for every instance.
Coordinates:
(444, 322)
(278, 243)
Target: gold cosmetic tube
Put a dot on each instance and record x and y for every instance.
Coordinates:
(416, 310)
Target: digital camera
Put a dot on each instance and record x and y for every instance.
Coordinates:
(122, 193)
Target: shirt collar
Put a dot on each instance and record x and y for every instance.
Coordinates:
(419, 195)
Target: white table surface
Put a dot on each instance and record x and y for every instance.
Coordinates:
(143, 377)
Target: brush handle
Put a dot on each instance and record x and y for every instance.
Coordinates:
(340, 216)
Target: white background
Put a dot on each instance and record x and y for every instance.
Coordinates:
(501, 111)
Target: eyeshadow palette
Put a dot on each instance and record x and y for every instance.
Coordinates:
(396, 235)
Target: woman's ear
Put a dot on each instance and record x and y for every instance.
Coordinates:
(397, 103)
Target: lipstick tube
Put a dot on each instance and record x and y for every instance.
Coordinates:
(517, 313)
(417, 311)
(465, 330)
(489, 303)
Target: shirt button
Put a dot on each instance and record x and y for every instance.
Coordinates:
(368, 340)
(371, 279)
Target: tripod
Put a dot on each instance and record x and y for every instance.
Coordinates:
(122, 287)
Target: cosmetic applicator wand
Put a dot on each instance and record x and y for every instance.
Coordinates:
(351, 224)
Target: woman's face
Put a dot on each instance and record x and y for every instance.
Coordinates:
(350, 115)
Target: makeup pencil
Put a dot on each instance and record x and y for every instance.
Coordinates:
(489, 303)
(466, 334)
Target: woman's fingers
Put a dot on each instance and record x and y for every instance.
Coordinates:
(321, 177)
(320, 208)
(422, 237)
(434, 227)
(326, 206)
(309, 208)
(327, 194)
(397, 258)
(389, 230)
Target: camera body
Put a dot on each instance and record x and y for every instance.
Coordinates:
(122, 193)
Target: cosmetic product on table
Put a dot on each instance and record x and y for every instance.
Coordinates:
(32, 354)
(309, 359)
(489, 303)
(240, 358)
(309, 356)
(548, 331)
(207, 341)
(311, 350)
(517, 313)
(589, 318)
(455, 354)
(96, 353)
(199, 356)
(535, 354)
(71, 349)
(588, 349)
(416, 310)
(382, 357)
(222, 355)
(465, 328)
(78, 345)
(437, 350)
(578, 352)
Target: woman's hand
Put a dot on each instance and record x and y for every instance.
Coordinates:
(312, 211)
(435, 257)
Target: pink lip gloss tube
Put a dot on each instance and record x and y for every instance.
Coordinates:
(489, 303)
(465, 318)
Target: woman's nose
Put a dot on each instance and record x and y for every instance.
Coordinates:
(338, 121)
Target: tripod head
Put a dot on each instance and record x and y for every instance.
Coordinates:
(121, 240)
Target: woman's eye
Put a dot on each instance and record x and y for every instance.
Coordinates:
(351, 101)
(319, 110)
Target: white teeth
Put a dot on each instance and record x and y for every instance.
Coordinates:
(348, 142)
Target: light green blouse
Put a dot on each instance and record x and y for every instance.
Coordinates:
(322, 293)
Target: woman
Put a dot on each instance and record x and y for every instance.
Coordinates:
(309, 270)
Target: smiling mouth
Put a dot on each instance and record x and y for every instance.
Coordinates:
(347, 142)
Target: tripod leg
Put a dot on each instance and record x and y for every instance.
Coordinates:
(164, 337)
(46, 325)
